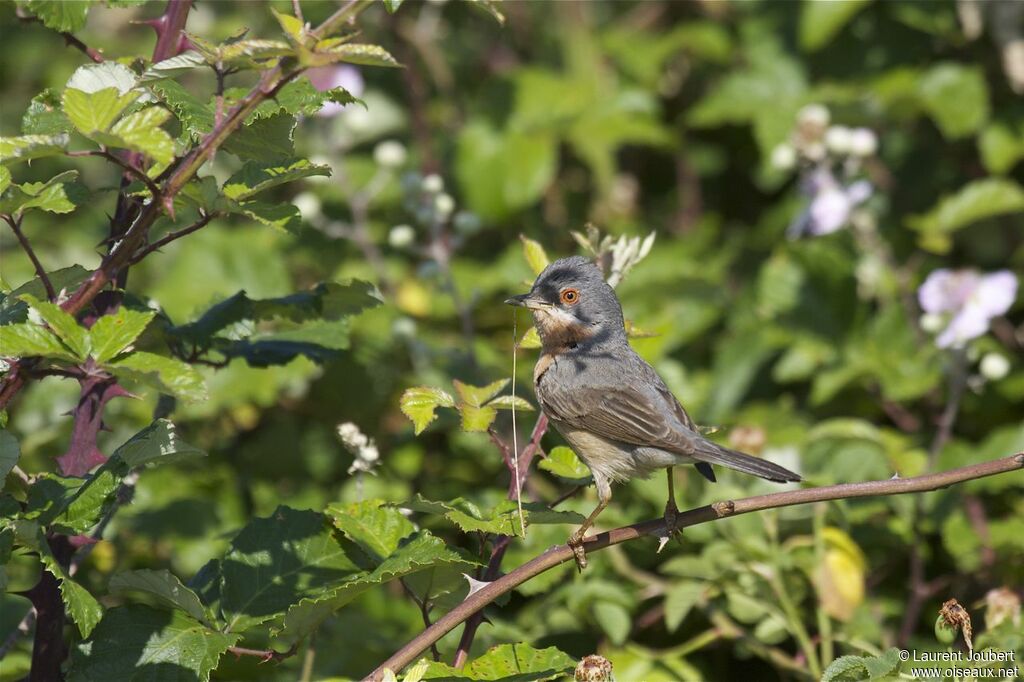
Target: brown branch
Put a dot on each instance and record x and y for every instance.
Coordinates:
(71, 41)
(498, 551)
(15, 224)
(265, 655)
(562, 553)
(171, 236)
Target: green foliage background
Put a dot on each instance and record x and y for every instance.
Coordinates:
(638, 117)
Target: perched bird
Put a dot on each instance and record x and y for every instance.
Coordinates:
(608, 403)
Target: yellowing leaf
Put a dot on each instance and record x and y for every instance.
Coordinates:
(535, 255)
(419, 404)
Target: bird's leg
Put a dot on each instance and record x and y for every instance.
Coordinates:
(604, 496)
(671, 513)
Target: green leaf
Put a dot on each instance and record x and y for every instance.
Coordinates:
(508, 663)
(81, 606)
(846, 669)
(10, 452)
(196, 117)
(490, 7)
(32, 146)
(679, 600)
(44, 115)
(13, 309)
(292, 26)
(141, 132)
(280, 216)
(956, 97)
(507, 402)
(358, 53)
(563, 462)
(821, 20)
(535, 255)
(476, 419)
(5, 178)
(165, 587)
(177, 65)
(141, 643)
(419, 404)
(30, 340)
(275, 562)
(503, 519)
(477, 396)
(169, 375)
(256, 177)
(91, 78)
(60, 15)
(158, 442)
(978, 200)
(74, 335)
(614, 619)
(267, 140)
(392, 5)
(1001, 147)
(111, 334)
(92, 112)
(59, 194)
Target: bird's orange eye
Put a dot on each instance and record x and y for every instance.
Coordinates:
(570, 296)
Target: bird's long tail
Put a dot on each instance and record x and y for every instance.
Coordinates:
(748, 464)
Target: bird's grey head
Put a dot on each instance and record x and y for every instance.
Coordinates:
(572, 305)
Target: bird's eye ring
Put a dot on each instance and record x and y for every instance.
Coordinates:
(570, 296)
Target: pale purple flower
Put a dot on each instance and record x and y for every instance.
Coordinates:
(968, 300)
(326, 78)
(831, 204)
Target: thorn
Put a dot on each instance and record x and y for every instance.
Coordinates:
(662, 541)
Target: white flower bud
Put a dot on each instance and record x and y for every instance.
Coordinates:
(783, 157)
(814, 151)
(837, 139)
(401, 236)
(863, 142)
(932, 322)
(390, 154)
(994, 366)
(444, 205)
(369, 453)
(404, 326)
(433, 183)
(814, 115)
(309, 205)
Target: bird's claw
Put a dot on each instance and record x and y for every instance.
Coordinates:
(575, 543)
(671, 515)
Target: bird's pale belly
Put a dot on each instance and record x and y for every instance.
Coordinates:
(613, 460)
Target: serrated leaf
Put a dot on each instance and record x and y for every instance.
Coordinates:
(357, 53)
(392, 5)
(563, 462)
(821, 20)
(531, 339)
(280, 216)
(138, 642)
(92, 112)
(44, 115)
(503, 519)
(163, 586)
(490, 7)
(255, 177)
(275, 562)
(535, 255)
(507, 402)
(141, 132)
(91, 78)
(845, 669)
(298, 97)
(65, 326)
(882, 666)
(476, 419)
(175, 66)
(158, 442)
(477, 396)
(31, 340)
(196, 117)
(267, 140)
(166, 374)
(292, 26)
(5, 178)
(28, 147)
(113, 333)
(419, 404)
(10, 452)
(507, 663)
(59, 194)
(60, 15)
(81, 606)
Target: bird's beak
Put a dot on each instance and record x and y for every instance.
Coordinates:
(526, 301)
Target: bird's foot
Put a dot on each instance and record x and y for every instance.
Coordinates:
(671, 515)
(575, 543)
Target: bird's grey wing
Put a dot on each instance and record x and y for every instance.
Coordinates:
(619, 413)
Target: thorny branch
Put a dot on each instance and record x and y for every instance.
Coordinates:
(562, 553)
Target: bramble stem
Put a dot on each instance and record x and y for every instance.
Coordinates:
(656, 527)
